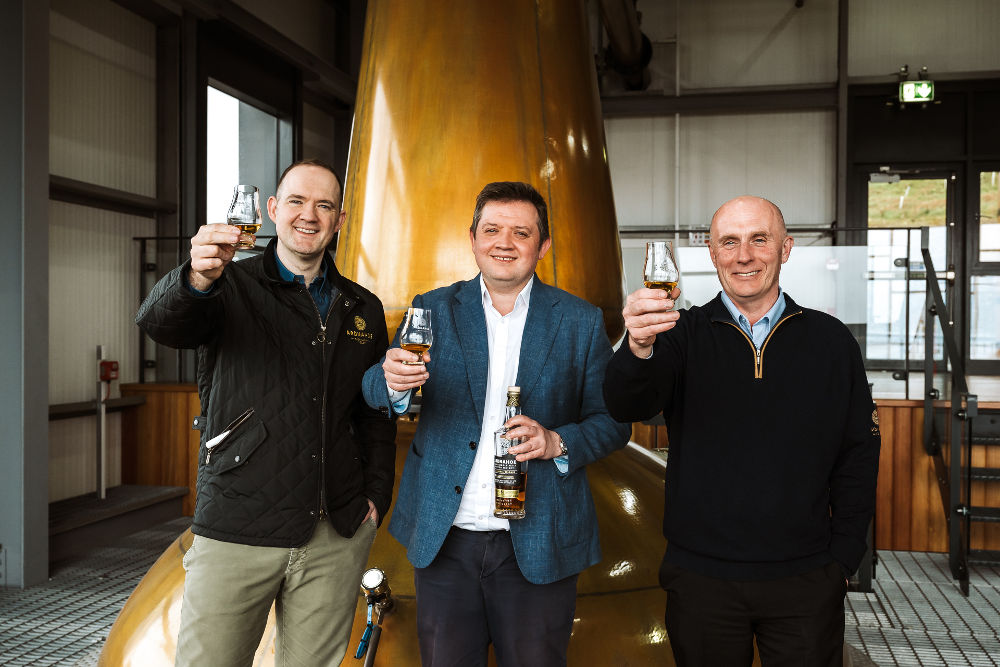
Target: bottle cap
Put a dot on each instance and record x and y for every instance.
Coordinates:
(516, 390)
(246, 188)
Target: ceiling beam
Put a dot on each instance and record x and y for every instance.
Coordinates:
(734, 101)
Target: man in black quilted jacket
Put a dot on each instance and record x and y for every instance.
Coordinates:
(295, 471)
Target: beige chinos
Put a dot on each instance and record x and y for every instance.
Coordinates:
(229, 588)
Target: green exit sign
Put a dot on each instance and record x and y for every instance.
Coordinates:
(916, 91)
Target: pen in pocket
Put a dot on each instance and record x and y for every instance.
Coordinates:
(217, 440)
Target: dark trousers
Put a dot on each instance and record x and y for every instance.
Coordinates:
(473, 594)
(797, 620)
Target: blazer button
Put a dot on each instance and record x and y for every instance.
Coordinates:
(458, 489)
(472, 445)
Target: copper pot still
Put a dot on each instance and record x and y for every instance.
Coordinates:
(451, 96)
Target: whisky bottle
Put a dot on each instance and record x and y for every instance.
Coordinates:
(509, 475)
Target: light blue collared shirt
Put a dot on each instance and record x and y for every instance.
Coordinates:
(758, 332)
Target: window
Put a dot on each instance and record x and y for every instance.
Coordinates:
(989, 216)
(246, 145)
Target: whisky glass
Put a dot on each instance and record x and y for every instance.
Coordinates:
(660, 271)
(416, 335)
(244, 212)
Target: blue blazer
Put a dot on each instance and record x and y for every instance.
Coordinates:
(564, 351)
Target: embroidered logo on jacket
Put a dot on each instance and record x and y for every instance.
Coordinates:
(358, 333)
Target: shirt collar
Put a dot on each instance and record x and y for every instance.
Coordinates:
(522, 300)
(771, 315)
(288, 276)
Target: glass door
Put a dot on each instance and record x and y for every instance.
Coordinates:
(899, 203)
(984, 279)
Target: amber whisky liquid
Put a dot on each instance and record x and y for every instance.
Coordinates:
(247, 233)
(661, 284)
(510, 496)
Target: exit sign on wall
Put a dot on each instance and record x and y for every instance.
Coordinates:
(916, 91)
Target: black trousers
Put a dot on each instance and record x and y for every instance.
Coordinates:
(797, 620)
(474, 594)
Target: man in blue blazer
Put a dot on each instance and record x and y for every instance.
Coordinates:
(480, 579)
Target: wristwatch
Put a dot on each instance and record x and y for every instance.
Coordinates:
(563, 451)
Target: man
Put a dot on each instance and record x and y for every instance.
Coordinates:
(480, 579)
(774, 444)
(294, 469)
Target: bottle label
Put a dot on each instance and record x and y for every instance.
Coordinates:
(506, 471)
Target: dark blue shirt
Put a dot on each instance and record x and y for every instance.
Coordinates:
(321, 289)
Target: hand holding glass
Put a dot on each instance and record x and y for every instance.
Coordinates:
(244, 212)
(416, 335)
(660, 271)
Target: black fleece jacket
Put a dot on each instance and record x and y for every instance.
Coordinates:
(773, 457)
(313, 447)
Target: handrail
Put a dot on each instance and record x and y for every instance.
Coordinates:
(962, 408)
(947, 324)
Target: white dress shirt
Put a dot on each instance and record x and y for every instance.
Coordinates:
(503, 333)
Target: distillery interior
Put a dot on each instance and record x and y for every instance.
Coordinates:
(874, 126)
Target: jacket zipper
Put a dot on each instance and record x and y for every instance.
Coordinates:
(321, 339)
(760, 353)
(758, 366)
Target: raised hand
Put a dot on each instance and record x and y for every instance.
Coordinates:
(648, 312)
(212, 248)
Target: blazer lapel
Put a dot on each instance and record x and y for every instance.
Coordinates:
(544, 315)
(470, 323)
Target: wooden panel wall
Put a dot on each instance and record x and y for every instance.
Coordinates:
(159, 446)
(909, 514)
(651, 437)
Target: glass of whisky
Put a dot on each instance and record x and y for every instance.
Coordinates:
(244, 212)
(660, 271)
(416, 335)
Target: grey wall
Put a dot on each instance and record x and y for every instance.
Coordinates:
(102, 131)
(24, 50)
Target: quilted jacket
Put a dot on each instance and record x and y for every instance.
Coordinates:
(312, 448)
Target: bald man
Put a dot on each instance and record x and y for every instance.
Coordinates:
(774, 445)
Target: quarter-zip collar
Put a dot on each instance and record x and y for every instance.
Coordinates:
(759, 330)
(719, 314)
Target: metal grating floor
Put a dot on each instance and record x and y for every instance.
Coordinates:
(65, 621)
(915, 616)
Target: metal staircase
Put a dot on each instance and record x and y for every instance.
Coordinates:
(951, 429)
